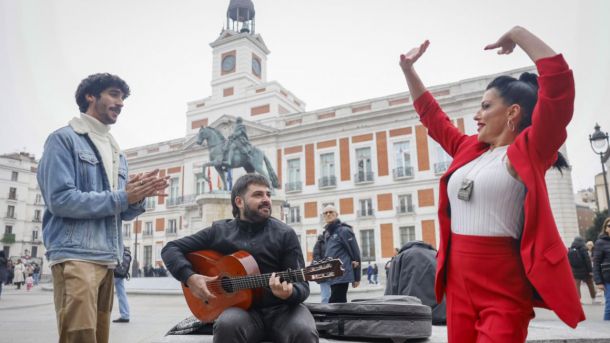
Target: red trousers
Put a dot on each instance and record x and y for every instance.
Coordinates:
(488, 294)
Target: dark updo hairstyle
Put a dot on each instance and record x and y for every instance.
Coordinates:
(96, 84)
(523, 92)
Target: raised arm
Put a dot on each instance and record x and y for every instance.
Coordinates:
(416, 86)
(533, 46)
(555, 105)
(431, 115)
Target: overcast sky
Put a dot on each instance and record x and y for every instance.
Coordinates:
(327, 52)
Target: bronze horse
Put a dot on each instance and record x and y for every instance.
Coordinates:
(251, 163)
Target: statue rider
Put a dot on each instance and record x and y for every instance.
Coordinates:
(237, 140)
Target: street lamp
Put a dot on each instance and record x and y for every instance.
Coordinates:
(599, 144)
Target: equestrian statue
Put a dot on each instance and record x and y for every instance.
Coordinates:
(234, 152)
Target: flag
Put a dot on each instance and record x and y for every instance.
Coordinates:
(210, 179)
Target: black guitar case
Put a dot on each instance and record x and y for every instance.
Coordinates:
(395, 318)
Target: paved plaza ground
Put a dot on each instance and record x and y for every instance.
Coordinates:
(30, 317)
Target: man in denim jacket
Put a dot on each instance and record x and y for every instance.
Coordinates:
(83, 178)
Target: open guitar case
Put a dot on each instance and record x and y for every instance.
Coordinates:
(389, 318)
(396, 318)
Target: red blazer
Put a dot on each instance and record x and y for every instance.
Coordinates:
(531, 154)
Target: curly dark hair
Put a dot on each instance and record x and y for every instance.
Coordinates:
(241, 187)
(96, 84)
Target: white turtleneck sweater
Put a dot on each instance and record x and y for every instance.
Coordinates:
(105, 144)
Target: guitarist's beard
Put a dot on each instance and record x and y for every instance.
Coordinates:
(259, 214)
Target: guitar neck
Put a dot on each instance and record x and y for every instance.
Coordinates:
(260, 280)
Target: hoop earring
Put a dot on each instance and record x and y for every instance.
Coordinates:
(510, 125)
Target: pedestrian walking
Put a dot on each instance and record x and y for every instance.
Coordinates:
(36, 274)
(19, 274)
(375, 274)
(601, 265)
(10, 273)
(3, 270)
(121, 273)
(319, 250)
(582, 269)
(29, 282)
(341, 243)
(369, 273)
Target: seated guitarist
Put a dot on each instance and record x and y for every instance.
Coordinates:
(279, 314)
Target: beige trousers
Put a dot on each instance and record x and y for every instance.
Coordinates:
(83, 294)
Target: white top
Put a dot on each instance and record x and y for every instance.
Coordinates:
(495, 207)
(104, 143)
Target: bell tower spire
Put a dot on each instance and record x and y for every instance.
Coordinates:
(240, 16)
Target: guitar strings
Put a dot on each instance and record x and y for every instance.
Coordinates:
(254, 281)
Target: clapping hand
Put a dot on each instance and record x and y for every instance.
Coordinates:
(144, 185)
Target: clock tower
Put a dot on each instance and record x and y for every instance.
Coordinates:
(239, 76)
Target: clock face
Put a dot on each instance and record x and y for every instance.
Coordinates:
(228, 63)
(256, 67)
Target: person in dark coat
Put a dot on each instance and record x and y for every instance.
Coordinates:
(412, 273)
(601, 265)
(3, 270)
(581, 265)
(318, 254)
(341, 243)
(369, 273)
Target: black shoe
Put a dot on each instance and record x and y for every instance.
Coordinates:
(121, 320)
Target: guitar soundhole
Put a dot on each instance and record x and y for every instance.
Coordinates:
(226, 285)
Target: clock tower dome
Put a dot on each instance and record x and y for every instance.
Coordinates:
(239, 76)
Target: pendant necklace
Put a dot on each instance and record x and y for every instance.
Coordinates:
(467, 186)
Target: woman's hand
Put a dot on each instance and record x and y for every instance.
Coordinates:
(416, 86)
(407, 60)
(533, 46)
(505, 43)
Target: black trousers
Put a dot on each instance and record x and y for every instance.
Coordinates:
(338, 293)
(279, 324)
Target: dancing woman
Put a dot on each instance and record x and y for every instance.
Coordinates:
(500, 252)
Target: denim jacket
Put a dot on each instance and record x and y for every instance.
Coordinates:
(83, 216)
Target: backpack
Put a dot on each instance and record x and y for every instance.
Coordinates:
(574, 257)
(122, 269)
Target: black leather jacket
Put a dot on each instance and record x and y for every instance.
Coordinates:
(273, 244)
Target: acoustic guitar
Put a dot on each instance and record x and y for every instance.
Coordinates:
(240, 282)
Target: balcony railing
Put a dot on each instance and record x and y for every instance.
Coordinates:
(296, 186)
(363, 177)
(365, 213)
(12, 196)
(150, 204)
(405, 209)
(293, 219)
(181, 200)
(327, 181)
(171, 232)
(441, 167)
(36, 219)
(10, 216)
(8, 238)
(402, 172)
